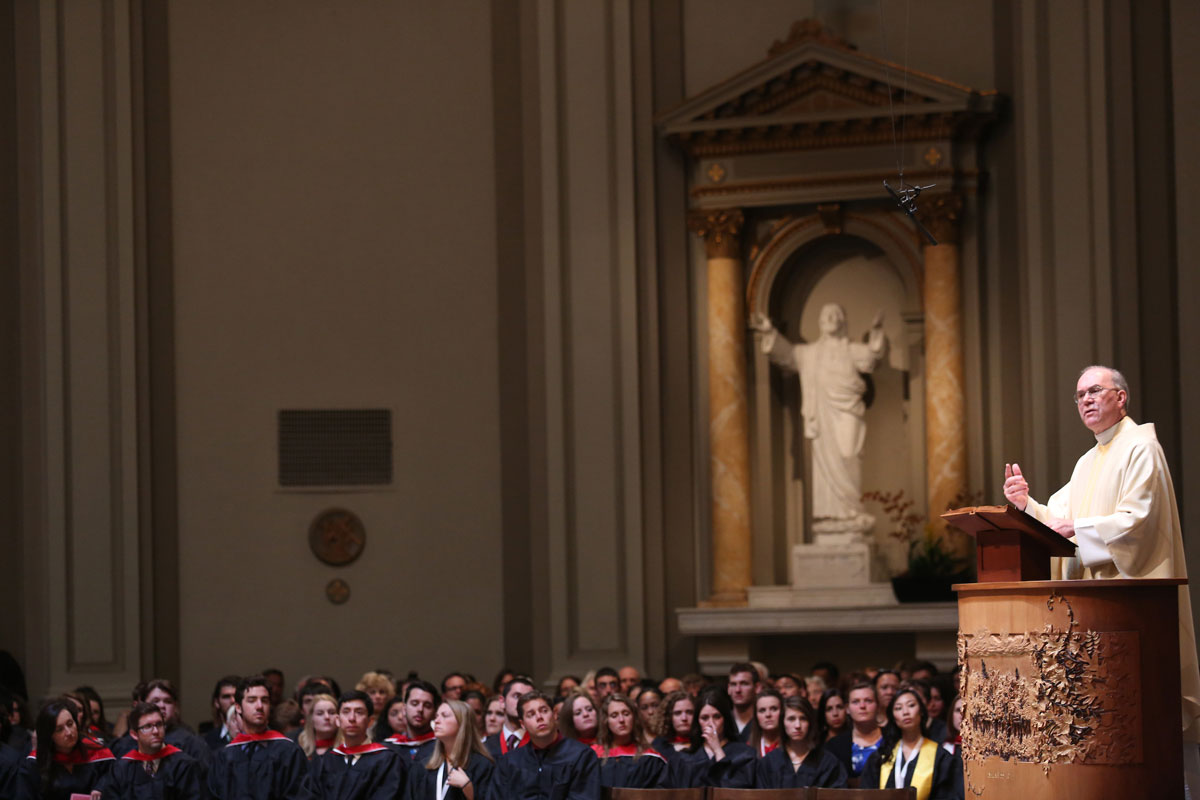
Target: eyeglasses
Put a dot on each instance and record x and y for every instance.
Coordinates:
(151, 726)
(1094, 391)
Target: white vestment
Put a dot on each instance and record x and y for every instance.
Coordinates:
(1122, 502)
(832, 408)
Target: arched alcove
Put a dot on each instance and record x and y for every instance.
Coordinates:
(865, 269)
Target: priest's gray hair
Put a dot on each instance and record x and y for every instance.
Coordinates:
(1118, 381)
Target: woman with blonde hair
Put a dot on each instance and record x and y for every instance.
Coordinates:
(321, 733)
(460, 768)
(626, 760)
(379, 687)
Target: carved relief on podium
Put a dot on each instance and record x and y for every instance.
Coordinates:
(1055, 696)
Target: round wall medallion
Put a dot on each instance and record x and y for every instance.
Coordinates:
(338, 591)
(337, 537)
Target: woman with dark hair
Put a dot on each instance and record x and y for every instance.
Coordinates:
(67, 763)
(390, 721)
(625, 759)
(908, 758)
(831, 714)
(863, 736)
(98, 727)
(649, 709)
(713, 759)
(460, 768)
(578, 718)
(765, 731)
(802, 760)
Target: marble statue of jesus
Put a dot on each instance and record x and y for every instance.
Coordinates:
(832, 408)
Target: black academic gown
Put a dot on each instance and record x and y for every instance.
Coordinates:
(377, 774)
(820, 768)
(497, 745)
(215, 740)
(621, 767)
(566, 770)
(16, 781)
(665, 747)
(947, 775)
(734, 771)
(422, 782)
(177, 736)
(412, 751)
(842, 748)
(84, 776)
(266, 766)
(177, 777)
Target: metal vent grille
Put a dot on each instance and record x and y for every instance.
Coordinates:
(342, 447)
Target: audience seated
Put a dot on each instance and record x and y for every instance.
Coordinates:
(375, 744)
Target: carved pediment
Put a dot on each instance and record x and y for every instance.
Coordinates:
(815, 90)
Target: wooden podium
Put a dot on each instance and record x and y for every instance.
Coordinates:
(1070, 688)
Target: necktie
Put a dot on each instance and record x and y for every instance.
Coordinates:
(151, 767)
(512, 741)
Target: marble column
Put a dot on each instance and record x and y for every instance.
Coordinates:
(729, 427)
(945, 404)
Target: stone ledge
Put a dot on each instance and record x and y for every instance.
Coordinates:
(904, 618)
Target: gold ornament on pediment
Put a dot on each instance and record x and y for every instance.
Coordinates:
(807, 30)
(933, 156)
(716, 173)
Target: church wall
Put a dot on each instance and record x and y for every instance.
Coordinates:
(1185, 66)
(335, 248)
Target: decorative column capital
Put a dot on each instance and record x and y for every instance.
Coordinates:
(720, 228)
(940, 214)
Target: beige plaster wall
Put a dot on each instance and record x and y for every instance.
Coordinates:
(334, 248)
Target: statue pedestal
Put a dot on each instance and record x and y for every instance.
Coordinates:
(832, 572)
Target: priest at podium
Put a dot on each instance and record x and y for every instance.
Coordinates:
(1119, 509)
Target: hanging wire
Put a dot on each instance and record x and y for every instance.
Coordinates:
(891, 110)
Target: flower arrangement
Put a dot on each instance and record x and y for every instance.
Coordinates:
(930, 559)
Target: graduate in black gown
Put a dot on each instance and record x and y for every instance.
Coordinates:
(259, 763)
(217, 734)
(550, 767)
(16, 781)
(511, 734)
(713, 759)
(579, 717)
(677, 711)
(155, 770)
(421, 699)
(460, 762)
(766, 730)
(801, 760)
(65, 763)
(320, 732)
(355, 769)
(908, 757)
(162, 693)
(625, 759)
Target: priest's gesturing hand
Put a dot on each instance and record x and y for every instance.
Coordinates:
(1016, 490)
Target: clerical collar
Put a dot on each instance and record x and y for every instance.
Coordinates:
(1108, 434)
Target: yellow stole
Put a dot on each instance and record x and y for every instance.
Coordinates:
(922, 779)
